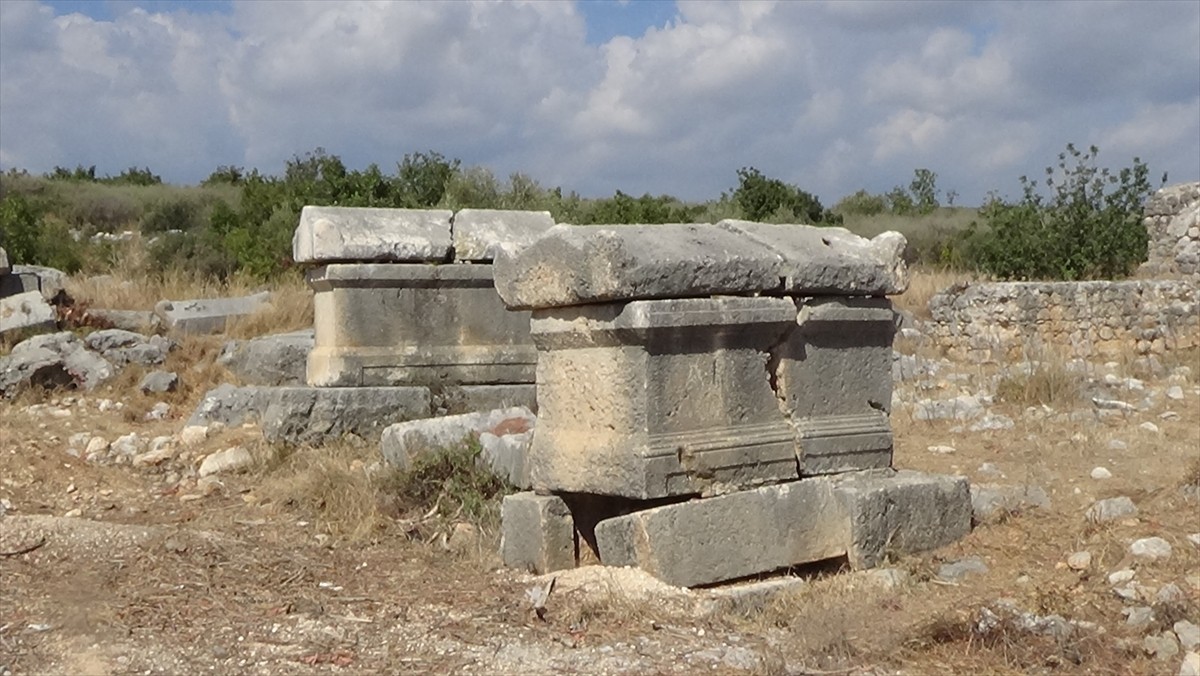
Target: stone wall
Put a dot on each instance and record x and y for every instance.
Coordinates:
(1172, 218)
(1020, 320)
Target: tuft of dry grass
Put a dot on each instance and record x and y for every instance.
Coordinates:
(1049, 384)
(923, 283)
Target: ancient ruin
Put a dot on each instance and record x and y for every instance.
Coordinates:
(713, 402)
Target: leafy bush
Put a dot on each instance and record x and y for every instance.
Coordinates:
(29, 237)
(861, 203)
(1088, 227)
(173, 213)
(770, 199)
(93, 209)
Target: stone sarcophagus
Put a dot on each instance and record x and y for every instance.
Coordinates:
(405, 297)
(713, 402)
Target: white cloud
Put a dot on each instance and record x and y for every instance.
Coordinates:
(832, 96)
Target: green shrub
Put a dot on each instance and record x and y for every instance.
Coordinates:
(1088, 227)
(20, 229)
(173, 213)
(861, 203)
(770, 199)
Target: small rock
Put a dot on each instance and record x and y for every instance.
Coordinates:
(991, 471)
(127, 446)
(1110, 509)
(159, 381)
(159, 412)
(941, 450)
(1191, 665)
(953, 572)
(1188, 634)
(153, 457)
(1079, 560)
(1138, 616)
(1117, 445)
(1101, 473)
(193, 435)
(1113, 405)
(1152, 548)
(1194, 538)
(1175, 392)
(463, 537)
(229, 460)
(96, 447)
(74, 513)
(1161, 646)
(1149, 427)
(1120, 577)
(209, 485)
(1170, 593)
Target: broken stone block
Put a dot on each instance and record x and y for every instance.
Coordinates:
(52, 360)
(26, 312)
(354, 234)
(280, 359)
(901, 512)
(415, 325)
(403, 443)
(47, 281)
(861, 515)
(123, 347)
(658, 398)
(537, 533)
(479, 234)
(834, 381)
(208, 315)
(575, 265)
(315, 415)
(129, 320)
(817, 260)
(5, 268)
(730, 536)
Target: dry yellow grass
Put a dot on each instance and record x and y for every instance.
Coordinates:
(924, 283)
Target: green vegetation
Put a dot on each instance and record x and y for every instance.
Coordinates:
(240, 221)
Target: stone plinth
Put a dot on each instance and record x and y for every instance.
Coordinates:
(414, 324)
(835, 383)
(657, 398)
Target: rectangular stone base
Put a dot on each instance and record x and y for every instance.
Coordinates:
(537, 533)
(862, 516)
(415, 324)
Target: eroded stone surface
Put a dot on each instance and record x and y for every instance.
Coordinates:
(480, 234)
(351, 234)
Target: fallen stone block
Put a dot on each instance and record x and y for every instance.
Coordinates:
(47, 281)
(124, 347)
(537, 533)
(353, 234)
(729, 536)
(228, 461)
(314, 415)
(137, 321)
(280, 359)
(901, 512)
(209, 315)
(52, 360)
(650, 399)
(415, 325)
(817, 260)
(479, 234)
(403, 443)
(230, 405)
(575, 265)
(862, 516)
(26, 312)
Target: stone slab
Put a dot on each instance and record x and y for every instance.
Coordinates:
(818, 260)
(833, 376)
(208, 315)
(537, 533)
(395, 324)
(575, 265)
(901, 512)
(863, 516)
(479, 234)
(52, 360)
(354, 234)
(730, 536)
(404, 443)
(279, 359)
(49, 281)
(27, 311)
(140, 321)
(650, 399)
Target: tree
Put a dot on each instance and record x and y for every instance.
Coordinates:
(762, 198)
(422, 179)
(1088, 226)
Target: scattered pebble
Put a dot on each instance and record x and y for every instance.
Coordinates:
(1117, 445)
(1110, 509)
(1100, 473)
(1149, 427)
(1188, 634)
(1194, 538)
(989, 470)
(231, 459)
(953, 572)
(1079, 560)
(1120, 577)
(943, 450)
(1152, 548)
(1161, 646)
(1138, 616)
(1175, 392)
(1191, 665)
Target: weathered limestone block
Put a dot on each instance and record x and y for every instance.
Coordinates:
(834, 380)
(479, 234)
(862, 516)
(351, 234)
(649, 399)
(395, 324)
(574, 265)
(5, 268)
(831, 260)
(208, 315)
(26, 311)
(537, 533)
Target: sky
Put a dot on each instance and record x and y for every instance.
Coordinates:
(598, 96)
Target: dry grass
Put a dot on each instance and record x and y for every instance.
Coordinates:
(1048, 384)
(924, 283)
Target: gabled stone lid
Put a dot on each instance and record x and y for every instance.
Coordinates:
(580, 265)
(373, 235)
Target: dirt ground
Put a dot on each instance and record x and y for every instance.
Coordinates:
(115, 569)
